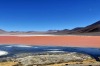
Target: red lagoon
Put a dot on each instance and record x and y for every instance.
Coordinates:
(75, 41)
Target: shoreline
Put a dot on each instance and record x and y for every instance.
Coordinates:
(20, 59)
(26, 35)
(84, 63)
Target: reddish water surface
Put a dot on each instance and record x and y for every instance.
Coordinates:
(78, 41)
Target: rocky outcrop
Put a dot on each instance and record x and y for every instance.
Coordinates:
(52, 59)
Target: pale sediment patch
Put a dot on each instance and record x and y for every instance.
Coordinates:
(41, 35)
(55, 51)
(2, 53)
(18, 46)
(31, 35)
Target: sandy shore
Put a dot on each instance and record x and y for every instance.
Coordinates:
(84, 63)
(8, 63)
(52, 40)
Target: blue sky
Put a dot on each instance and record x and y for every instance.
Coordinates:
(41, 15)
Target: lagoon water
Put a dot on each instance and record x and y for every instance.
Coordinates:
(10, 50)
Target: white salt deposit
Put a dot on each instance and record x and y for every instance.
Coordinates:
(55, 51)
(3, 53)
(18, 46)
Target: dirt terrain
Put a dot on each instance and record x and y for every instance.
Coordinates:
(84, 63)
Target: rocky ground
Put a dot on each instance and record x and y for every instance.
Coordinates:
(51, 59)
(84, 63)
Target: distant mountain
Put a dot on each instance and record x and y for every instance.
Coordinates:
(97, 23)
(65, 31)
(2, 31)
(77, 28)
(95, 27)
(52, 30)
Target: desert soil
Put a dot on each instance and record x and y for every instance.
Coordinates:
(7, 63)
(84, 63)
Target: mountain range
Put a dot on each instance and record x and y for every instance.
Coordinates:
(93, 29)
(88, 30)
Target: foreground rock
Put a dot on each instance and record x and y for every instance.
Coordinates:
(47, 59)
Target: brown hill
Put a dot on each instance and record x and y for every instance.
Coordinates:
(91, 28)
(95, 27)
